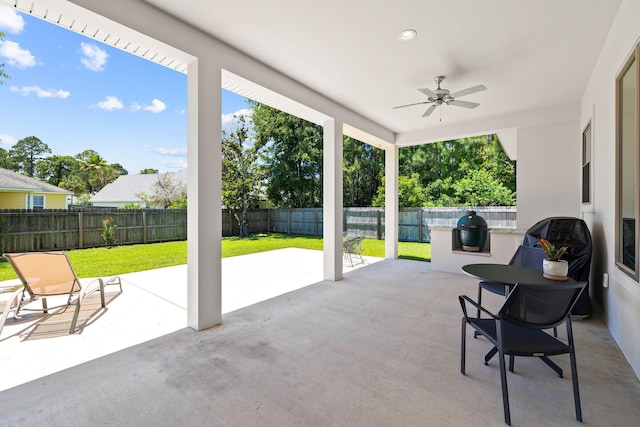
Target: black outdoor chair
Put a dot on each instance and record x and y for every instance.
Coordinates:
(519, 330)
(524, 256)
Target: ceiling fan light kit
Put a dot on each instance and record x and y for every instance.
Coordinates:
(441, 96)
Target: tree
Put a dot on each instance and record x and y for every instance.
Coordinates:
(410, 192)
(467, 172)
(292, 157)
(77, 184)
(148, 171)
(242, 174)
(3, 76)
(96, 171)
(26, 153)
(363, 169)
(480, 188)
(6, 161)
(167, 193)
(57, 169)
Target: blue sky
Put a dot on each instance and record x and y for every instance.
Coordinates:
(75, 93)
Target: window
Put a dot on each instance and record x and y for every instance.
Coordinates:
(37, 202)
(627, 164)
(586, 164)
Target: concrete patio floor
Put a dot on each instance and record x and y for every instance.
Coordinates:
(380, 347)
(153, 303)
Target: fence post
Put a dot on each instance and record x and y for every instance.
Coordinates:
(268, 220)
(289, 221)
(378, 225)
(345, 227)
(419, 225)
(80, 230)
(315, 215)
(144, 226)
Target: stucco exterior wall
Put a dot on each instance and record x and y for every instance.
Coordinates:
(620, 301)
(548, 172)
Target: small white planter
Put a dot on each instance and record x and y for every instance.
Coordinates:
(555, 270)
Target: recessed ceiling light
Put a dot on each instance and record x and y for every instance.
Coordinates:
(407, 35)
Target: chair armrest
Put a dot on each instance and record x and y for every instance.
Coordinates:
(113, 280)
(463, 298)
(91, 287)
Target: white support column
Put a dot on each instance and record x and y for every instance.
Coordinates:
(391, 203)
(332, 199)
(204, 234)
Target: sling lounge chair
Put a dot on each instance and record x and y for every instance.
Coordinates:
(11, 304)
(49, 275)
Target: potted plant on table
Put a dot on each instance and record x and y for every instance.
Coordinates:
(553, 267)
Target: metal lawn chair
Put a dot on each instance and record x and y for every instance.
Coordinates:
(352, 249)
(49, 275)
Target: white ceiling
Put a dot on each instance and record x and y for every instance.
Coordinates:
(529, 53)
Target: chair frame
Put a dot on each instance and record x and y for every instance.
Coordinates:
(352, 248)
(12, 305)
(497, 326)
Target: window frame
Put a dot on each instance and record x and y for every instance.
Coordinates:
(33, 202)
(587, 162)
(632, 59)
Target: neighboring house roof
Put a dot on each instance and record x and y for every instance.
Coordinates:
(126, 188)
(10, 180)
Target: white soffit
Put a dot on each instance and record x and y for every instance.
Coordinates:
(82, 21)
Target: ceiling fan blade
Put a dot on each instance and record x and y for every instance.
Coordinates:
(429, 111)
(468, 91)
(429, 93)
(410, 105)
(464, 104)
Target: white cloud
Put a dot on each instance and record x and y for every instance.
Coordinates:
(16, 55)
(110, 103)
(10, 20)
(175, 164)
(41, 93)
(156, 106)
(93, 58)
(177, 152)
(229, 118)
(7, 139)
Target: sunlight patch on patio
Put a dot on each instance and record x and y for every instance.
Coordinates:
(153, 303)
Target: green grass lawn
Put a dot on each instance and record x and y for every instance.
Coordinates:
(100, 262)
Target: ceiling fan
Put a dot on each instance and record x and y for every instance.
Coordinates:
(443, 96)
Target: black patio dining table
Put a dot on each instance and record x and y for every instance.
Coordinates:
(510, 274)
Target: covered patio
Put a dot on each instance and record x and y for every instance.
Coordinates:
(380, 347)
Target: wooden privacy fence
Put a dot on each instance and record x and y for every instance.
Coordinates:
(413, 223)
(26, 230)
